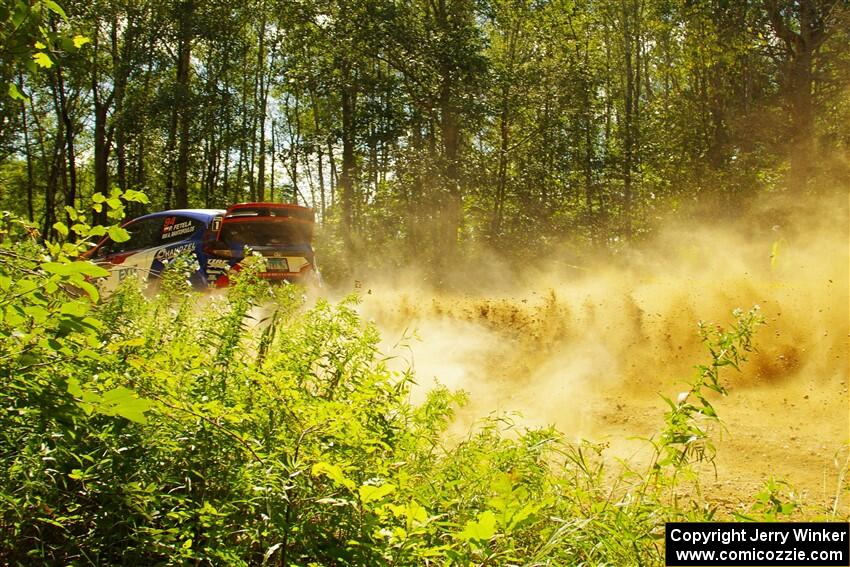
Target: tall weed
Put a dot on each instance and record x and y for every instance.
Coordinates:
(247, 429)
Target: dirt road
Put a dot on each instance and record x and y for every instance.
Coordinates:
(590, 350)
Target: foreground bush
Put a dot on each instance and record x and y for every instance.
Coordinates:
(247, 429)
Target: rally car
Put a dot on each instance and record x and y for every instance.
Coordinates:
(219, 240)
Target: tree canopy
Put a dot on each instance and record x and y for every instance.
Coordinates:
(426, 127)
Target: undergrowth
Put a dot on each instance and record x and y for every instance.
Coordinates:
(247, 428)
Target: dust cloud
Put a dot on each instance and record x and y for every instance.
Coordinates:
(589, 347)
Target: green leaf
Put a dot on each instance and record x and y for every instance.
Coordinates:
(13, 316)
(523, 515)
(93, 323)
(75, 308)
(415, 512)
(15, 93)
(74, 388)
(56, 8)
(91, 269)
(369, 493)
(118, 234)
(61, 228)
(91, 290)
(39, 45)
(98, 198)
(334, 473)
(124, 402)
(80, 40)
(39, 314)
(135, 196)
(20, 14)
(43, 60)
(481, 529)
(91, 355)
(25, 286)
(73, 268)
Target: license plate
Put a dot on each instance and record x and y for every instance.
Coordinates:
(277, 265)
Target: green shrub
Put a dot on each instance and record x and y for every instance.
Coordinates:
(245, 428)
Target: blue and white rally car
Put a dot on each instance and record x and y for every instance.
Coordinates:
(218, 239)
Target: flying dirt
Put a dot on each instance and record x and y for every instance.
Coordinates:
(590, 348)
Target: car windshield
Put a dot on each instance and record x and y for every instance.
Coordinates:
(265, 233)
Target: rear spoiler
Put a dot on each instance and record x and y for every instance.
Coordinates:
(247, 210)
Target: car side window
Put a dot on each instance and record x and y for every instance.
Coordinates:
(143, 234)
(176, 228)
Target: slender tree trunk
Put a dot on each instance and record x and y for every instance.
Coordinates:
(450, 137)
(802, 39)
(295, 145)
(30, 177)
(348, 99)
(71, 191)
(225, 181)
(319, 153)
(271, 173)
(181, 190)
(589, 154)
(334, 173)
(263, 103)
(101, 150)
(120, 59)
(171, 152)
(502, 173)
(57, 167)
(140, 174)
(628, 116)
(101, 112)
(238, 191)
(802, 120)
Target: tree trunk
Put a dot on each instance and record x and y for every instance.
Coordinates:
(181, 190)
(57, 167)
(120, 65)
(502, 174)
(319, 153)
(101, 106)
(263, 96)
(30, 177)
(346, 180)
(802, 48)
(271, 172)
(71, 192)
(802, 120)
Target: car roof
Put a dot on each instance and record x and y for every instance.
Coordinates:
(196, 214)
(267, 205)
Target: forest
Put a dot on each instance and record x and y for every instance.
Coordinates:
(585, 272)
(438, 126)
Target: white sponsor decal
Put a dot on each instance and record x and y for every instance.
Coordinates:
(171, 229)
(168, 253)
(124, 273)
